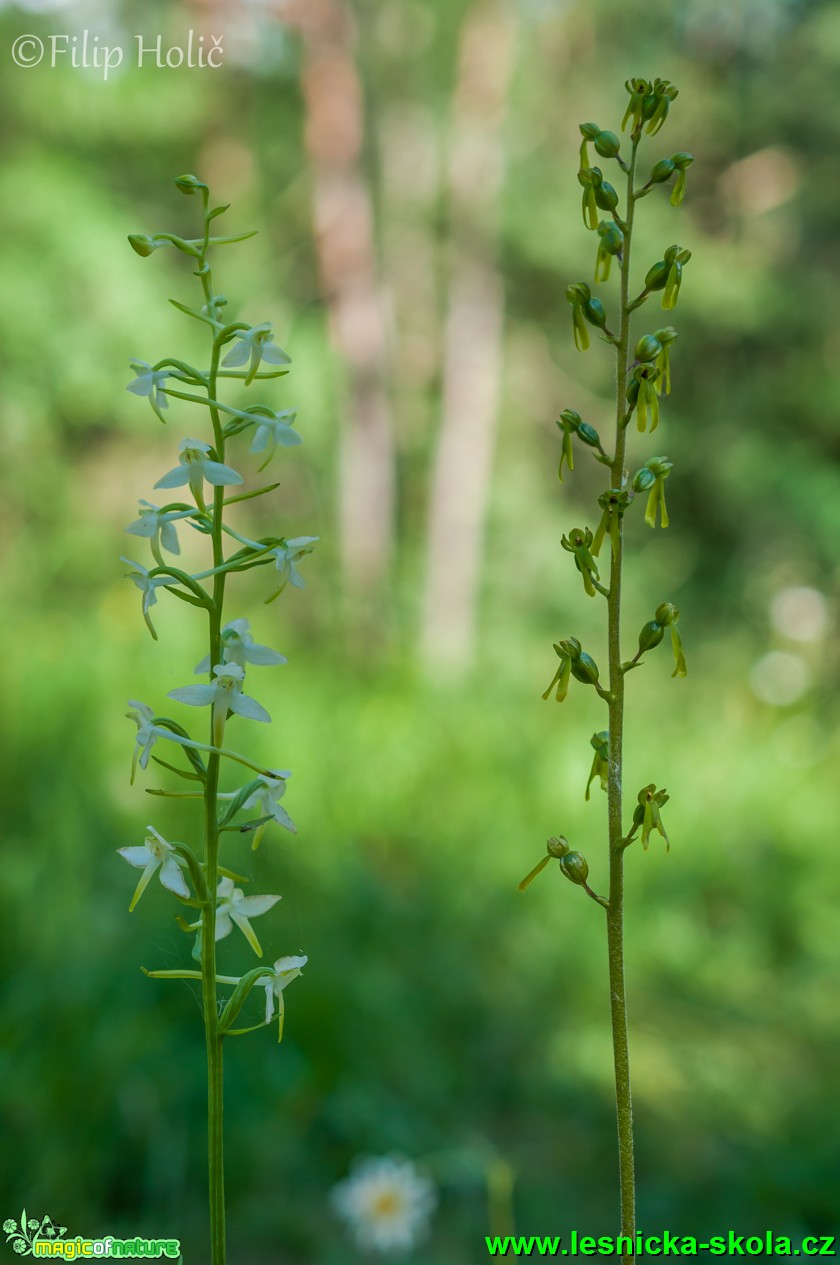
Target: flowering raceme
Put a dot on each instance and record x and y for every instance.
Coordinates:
(239, 356)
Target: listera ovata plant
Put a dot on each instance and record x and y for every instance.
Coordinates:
(643, 376)
(212, 896)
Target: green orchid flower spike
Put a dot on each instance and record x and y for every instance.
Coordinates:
(643, 387)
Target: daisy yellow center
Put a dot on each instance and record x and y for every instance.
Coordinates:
(386, 1204)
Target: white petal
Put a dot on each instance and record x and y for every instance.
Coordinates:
(238, 355)
(169, 538)
(142, 526)
(141, 385)
(204, 666)
(172, 878)
(174, 478)
(253, 906)
(283, 819)
(261, 438)
(223, 925)
(269, 1001)
(238, 626)
(138, 857)
(245, 706)
(219, 475)
(264, 655)
(274, 355)
(287, 436)
(193, 445)
(194, 695)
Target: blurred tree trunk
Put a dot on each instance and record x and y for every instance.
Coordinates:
(345, 241)
(472, 339)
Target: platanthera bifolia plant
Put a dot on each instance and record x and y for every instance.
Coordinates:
(643, 374)
(208, 891)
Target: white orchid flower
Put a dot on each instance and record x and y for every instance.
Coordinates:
(275, 432)
(149, 382)
(289, 555)
(285, 970)
(194, 467)
(233, 906)
(148, 586)
(265, 799)
(158, 527)
(238, 646)
(224, 695)
(255, 345)
(156, 854)
(148, 733)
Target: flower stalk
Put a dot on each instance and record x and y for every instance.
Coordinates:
(642, 377)
(237, 351)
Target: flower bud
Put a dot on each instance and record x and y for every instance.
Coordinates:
(589, 130)
(662, 171)
(144, 245)
(593, 310)
(650, 636)
(557, 846)
(666, 613)
(575, 867)
(189, 184)
(585, 669)
(571, 418)
(589, 435)
(648, 347)
(605, 196)
(606, 144)
(644, 480)
(657, 276)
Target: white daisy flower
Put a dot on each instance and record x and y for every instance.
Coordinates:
(385, 1203)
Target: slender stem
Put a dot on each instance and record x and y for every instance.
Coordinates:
(615, 912)
(215, 1078)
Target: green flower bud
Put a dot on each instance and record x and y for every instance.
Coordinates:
(648, 347)
(593, 310)
(189, 184)
(657, 276)
(643, 480)
(144, 245)
(662, 171)
(571, 418)
(607, 144)
(666, 613)
(650, 636)
(575, 867)
(605, 196)
(589, 435)
(585, 669)
(557, 846)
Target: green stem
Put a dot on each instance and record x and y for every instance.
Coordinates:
(215, 1081)
(615, 912)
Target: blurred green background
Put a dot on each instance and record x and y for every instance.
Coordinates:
(412, 170)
